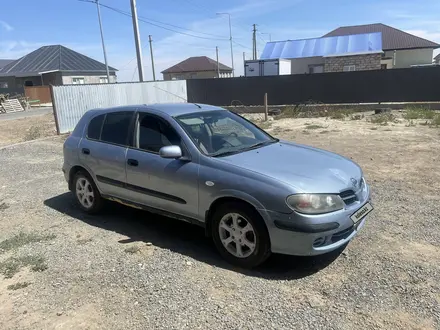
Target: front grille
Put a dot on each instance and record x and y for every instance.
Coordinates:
(341, 235)
(348, 196)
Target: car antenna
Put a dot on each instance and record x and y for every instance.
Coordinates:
(180, 97)
(177, 96)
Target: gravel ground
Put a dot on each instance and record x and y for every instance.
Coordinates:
(130, 269)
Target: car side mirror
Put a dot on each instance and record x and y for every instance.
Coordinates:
(170, 152)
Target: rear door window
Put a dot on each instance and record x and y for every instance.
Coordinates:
(116, 128)
(95, 126)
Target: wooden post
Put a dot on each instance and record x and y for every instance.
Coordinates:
(265, 107)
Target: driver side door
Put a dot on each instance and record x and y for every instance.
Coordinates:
(165, 184)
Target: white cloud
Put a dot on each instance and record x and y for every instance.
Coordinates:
(6, 26)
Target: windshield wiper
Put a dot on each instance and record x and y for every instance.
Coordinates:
(254, 146)
(261, 144)
(226, 153)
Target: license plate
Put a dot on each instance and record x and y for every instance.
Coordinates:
(362, 212)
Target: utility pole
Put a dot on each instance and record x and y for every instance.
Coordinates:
(152, 57)
(254, 40)
(230, 40)
(218, 66)
(102, 40)
(244, 57)
(137, 40)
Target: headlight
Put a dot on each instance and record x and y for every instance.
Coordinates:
(315, 203)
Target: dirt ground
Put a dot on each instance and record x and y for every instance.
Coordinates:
(130, 269)
(25, 129)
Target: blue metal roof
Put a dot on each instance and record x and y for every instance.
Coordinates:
(340, 45)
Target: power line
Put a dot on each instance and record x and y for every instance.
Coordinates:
(141, 19)
(241, 45)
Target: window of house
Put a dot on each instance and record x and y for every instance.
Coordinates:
(153, 133)
(103, 80)
(349, 68)
(29, 83)
(3, 84)
(116, 127)
(193, 75)
(95, 126)
(78, 80)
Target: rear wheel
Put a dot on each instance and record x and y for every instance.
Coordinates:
(240, 235)
(86, 193)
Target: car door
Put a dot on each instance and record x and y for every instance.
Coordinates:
(103, 151)
(166, 184)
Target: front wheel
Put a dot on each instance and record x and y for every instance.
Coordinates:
(86, 193)
(240, 235)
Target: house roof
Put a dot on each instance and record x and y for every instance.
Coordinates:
(196, 64)
(4, 62)
(52, 58)
(325, 46)
(392, 38)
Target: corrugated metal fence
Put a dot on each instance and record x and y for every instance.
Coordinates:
(71, 102)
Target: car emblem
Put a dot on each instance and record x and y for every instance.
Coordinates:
(354, 182)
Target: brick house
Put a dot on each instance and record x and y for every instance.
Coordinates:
(354, 48)
(400, 49)
(196, 68)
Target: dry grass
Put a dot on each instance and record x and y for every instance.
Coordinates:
(419, 113)
(314, 126)
(12, 266)
(23, 239)
(382, 119)
(18, 286)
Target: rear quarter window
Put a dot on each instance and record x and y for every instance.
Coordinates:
(95, 126)
(116, 127)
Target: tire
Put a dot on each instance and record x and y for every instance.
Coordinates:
(93, 203)
(227, 235)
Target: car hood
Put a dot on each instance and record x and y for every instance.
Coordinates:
(305, 168)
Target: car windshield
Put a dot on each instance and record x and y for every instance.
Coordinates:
(222, 133)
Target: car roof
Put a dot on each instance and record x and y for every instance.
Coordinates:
(172, 109)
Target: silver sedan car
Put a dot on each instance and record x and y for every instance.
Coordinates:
(254, 194)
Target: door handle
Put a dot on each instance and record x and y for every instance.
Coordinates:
(132, 162)
(86, 151)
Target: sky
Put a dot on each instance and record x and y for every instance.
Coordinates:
(26, 25)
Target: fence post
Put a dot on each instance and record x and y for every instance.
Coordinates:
(54, 109)
(265, 107)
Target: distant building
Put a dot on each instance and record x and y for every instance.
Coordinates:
(437, 59)
(400, 49)
(196, 68)
(53, 65)
(353, 48)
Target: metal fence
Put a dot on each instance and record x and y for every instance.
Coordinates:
(396, 85)
(72, 101)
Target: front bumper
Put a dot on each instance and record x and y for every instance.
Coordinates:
(307, 235)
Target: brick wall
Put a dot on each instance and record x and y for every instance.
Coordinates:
(361, 62)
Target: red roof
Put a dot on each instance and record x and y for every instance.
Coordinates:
(392, 38)
(197, 64)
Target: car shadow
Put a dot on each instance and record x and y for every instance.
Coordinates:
(184, 238)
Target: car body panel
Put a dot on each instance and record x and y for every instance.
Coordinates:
(263, 177)
(166, 184)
